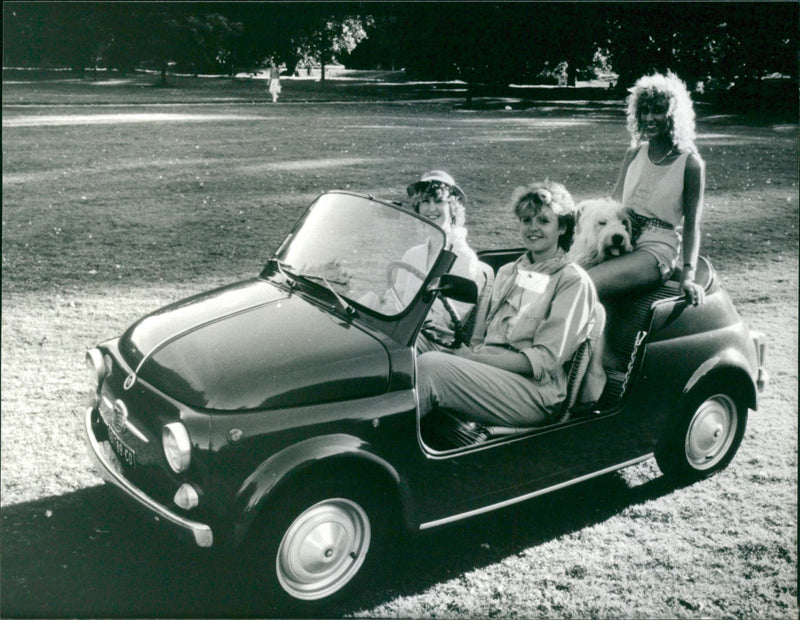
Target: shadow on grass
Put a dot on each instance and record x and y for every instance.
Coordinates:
(448, 552)
(85, 555)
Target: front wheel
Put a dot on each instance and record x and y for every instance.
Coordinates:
(323, 549)
(317, 543)
(706, 437)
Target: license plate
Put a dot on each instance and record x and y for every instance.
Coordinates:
(125, 454)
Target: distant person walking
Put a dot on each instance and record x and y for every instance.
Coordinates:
(274, 81)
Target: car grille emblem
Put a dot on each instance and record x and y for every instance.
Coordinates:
(120, 416)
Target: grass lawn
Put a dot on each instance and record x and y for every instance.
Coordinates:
(121, 197)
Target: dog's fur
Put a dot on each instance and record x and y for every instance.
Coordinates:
(603, 231)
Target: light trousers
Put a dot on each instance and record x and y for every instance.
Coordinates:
(480, 392)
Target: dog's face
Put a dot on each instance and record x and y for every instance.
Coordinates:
(603, 230)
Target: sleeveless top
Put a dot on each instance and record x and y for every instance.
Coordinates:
(655, 191)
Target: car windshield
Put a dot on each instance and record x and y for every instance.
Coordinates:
(358, 248)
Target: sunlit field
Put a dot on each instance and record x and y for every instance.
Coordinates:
(119, 198)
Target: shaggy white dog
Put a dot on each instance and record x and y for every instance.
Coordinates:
(603, 231)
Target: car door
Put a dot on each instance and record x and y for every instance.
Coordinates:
(457, 483)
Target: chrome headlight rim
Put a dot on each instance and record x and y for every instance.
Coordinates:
(177, 446)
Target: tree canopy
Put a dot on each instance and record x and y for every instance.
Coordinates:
(483, 43)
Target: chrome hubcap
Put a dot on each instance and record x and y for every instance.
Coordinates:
(711, 432)
(323, 549)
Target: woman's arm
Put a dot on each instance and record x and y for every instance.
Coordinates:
(567, 325)
(693, 192)
(499, 357)
(557, 337)
(505, 359)
(616, 193)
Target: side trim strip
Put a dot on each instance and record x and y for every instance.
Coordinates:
(522, 498)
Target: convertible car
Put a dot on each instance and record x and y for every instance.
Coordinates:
(280, 413)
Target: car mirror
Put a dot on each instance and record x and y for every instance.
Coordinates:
(455, 288)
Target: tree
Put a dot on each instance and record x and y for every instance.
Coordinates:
(728, 41)
(215, 38)
(382, 48)
(166, 34)
(760, 39)
(51, 34)
(486, 44)
(324, 43)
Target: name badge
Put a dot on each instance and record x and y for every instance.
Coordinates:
(533, 281)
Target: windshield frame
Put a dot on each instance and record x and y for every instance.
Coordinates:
(277, 269)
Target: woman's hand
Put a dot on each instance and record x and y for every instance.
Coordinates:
(694, 292)
(466, 352)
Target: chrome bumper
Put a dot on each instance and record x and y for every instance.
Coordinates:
(760, 342)
(200, 532)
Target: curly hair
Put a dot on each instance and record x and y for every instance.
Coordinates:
(441, 192)
(548, 194)
(672, 90)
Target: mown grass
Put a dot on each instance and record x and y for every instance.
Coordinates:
(110, 211)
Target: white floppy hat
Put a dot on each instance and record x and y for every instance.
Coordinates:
(439, 176)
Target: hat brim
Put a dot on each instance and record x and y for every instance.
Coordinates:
(419, 185)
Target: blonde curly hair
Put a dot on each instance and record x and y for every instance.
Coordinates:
(441, 192)
(671, 90)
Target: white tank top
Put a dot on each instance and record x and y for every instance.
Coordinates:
(655, 191)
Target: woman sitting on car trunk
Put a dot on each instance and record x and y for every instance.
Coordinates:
(542, 308)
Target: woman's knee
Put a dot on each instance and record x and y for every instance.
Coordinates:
(430, 361)
(429, 370)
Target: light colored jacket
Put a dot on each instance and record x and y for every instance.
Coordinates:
(545, 311)
(466, 265)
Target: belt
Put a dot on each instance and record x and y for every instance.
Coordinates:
(640, 223)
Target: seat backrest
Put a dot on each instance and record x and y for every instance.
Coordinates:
(476, 321)
(589, 353)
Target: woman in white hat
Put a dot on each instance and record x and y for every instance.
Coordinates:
(437, 197)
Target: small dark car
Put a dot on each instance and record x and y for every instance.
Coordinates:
(281, 411)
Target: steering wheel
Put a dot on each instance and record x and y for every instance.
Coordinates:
(458, 327)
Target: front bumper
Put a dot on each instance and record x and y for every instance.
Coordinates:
(200, 533)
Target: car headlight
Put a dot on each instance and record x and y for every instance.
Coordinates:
(177, 447)
(97, 370)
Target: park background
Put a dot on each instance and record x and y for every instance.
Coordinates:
(143, 162)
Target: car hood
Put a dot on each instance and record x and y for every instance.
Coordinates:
(251, 345)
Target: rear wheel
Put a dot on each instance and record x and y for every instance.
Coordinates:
(706, 437)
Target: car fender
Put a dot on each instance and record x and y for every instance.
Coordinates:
(729, 362)
(312, 455)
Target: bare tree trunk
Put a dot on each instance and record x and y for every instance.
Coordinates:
(572, 73)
